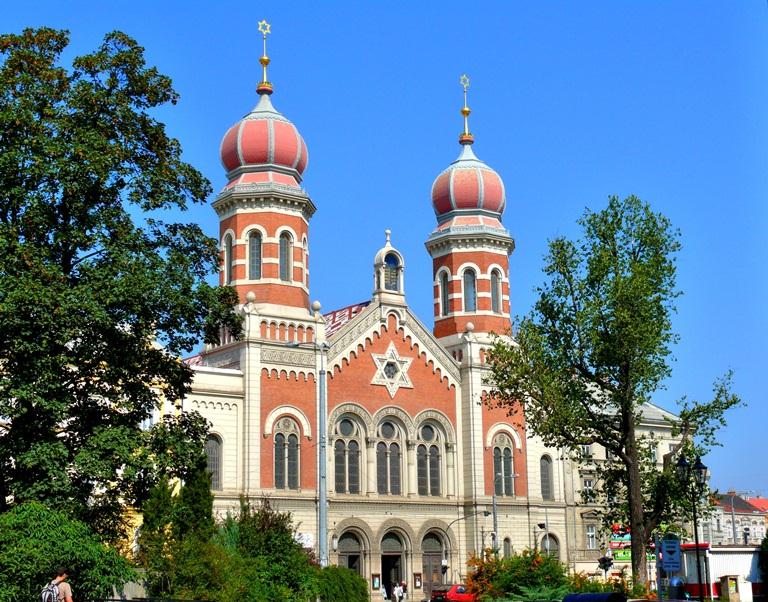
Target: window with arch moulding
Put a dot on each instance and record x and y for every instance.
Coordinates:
(229, 261)
(547, 481)
(286, 454)
(503, 465)
(495, 292)
(213, 460)
(286, 257)
(346, 456)
(470, 290)
(254, 255)
(388, 459)
(429, 455)
(444, 306)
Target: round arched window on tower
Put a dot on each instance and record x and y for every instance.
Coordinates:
(391, 276)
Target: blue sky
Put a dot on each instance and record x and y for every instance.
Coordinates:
(571, 102)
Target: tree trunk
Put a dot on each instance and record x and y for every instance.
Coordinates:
(636, 511)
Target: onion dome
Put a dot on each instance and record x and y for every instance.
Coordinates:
(263, 146)
(468, 186)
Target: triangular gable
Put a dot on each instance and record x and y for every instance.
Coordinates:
(358, 330)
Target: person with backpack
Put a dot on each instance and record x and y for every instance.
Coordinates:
(58, 590)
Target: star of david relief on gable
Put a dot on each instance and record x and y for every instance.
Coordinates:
(392, 370)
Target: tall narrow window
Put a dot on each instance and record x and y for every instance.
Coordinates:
(470, 290)
(254, 256)
(391, 272)
(444, 307)
(286, 454)
(495, 292)
(381, 468)
(547, 484)
(507, 547)
(428, 461)
(388, 460)
(504, 477)
(213, 460)
(229, 261)
(346, 456)
(591, 537)
(422, 470)
(434, 470)
(286, 257)
(394, 469)
(279, 461)
(340, 462)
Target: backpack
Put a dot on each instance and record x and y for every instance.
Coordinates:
(50, 593)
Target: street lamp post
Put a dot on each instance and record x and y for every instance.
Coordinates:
(699, 471)
(322, 490)
(495, 517)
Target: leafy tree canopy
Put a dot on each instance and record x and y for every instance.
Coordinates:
(96, 303)
(35, 540)
(593, 351)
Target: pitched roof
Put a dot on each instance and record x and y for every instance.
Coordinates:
(761, 503)
(740, 505)
(335, 319)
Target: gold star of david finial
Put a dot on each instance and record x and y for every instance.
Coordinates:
(465, 137)
(264, 86)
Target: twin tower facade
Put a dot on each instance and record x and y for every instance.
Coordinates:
(415, 457)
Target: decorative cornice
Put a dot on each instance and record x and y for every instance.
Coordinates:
(252, 196)
(468, 237)
(288, 357)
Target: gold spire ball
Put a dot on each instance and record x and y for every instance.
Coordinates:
(264, 86)
(465, 137)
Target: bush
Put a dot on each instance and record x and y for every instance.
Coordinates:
(34, 540)
(338, 584)
(509, 577)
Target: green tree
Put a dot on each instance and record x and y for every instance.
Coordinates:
(35, 540)
(595, 348)
(99, 294)
(155, 538)
(193, 514)
(762, 561)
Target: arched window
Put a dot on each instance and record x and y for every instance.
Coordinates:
(286, 257)
(391, 272)
(346, 456)
(495, 292)
(388, 460)
(503, 467)
(470, 290)
(428, 461)
(229, 261)
(213, 460)
(507, 547)
(444, 306)
(547, 484)
(254, 255)
(550, 546)
(287, 454)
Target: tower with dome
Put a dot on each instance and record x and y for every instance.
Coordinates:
(415, 461)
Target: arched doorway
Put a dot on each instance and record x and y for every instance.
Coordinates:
(392, 568)
(431, 562)
(350, 552)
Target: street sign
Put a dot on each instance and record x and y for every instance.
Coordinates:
(671, 559)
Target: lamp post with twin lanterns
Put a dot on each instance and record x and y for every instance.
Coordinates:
(694, 487)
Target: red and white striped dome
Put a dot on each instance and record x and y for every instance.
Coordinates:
(468, 185)
(263, 147)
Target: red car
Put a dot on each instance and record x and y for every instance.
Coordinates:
(452, 593)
